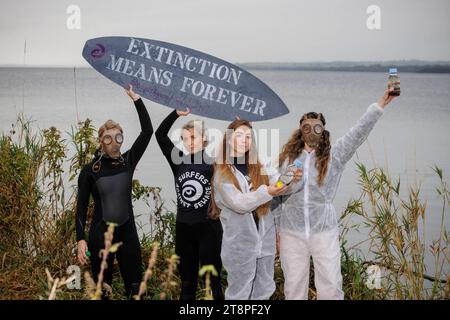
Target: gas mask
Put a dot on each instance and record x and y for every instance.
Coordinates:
(107, 139)
(312, 130)
(108, 145)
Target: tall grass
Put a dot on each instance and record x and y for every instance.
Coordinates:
(397, 243)
(37, 222)
(36, 219)
(37, 229)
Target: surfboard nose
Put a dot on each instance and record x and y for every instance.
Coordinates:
(93, 50)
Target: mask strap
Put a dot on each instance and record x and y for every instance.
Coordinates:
(320, 118)
(301, 120)
(97, 164)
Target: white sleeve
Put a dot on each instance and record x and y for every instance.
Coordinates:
(293, 187)
(240, 202)
(346, 146)
(270, 168)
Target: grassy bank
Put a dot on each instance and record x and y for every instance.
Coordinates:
(37, 229)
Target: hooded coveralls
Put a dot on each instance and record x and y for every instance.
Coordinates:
(248, 252)
(307, 220)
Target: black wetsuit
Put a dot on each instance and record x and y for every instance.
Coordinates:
(198, 239)
(110, 188)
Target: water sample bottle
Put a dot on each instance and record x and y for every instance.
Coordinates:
(394, 82)
(287, 175)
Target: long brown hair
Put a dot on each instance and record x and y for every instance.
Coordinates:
(223, 171)
(294, 147)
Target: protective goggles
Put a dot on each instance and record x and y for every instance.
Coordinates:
(107, 139)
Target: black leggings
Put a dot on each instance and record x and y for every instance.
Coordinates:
(194, 244)
(128, 255)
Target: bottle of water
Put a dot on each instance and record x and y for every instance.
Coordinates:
(287, 175)
(394, 82)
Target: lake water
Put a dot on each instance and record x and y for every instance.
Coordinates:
(411, 137)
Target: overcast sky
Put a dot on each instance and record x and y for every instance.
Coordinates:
(234, 30)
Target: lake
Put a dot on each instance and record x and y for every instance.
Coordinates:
(410, 138)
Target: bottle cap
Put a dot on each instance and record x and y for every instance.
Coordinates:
(279, 184)
(392, 70)
(88, 253)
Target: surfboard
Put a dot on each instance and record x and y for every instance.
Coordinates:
(179, 77)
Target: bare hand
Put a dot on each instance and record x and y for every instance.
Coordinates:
(298, 174)
(184, 113)
(81, 251)
(386, 98)
(133, 95)
(275, 191)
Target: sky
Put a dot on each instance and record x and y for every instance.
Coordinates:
(238, 31)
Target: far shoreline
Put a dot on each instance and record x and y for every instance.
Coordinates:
(404, 66)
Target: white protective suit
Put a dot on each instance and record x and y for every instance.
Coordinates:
(248, 253)
(307, 220)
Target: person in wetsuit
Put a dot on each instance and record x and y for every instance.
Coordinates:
(108, 178)
(198, 238)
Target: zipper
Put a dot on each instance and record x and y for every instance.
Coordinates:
(306, 195)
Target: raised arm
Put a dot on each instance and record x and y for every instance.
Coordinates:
(162, 134)
(142, 141)
(346, 146)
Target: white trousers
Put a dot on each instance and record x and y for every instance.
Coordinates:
(295, 253)
(250, 280)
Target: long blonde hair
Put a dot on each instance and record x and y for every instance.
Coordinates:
(223, 171)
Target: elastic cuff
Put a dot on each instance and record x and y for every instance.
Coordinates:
(376, 106)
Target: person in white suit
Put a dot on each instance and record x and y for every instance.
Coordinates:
(243, 191)
(306, 220)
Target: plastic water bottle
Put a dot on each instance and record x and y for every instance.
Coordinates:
(394, 82)
(287, 175)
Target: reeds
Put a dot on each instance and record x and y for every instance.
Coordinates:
(37, 229)
(37, 222)
(395, 227)
(149, 271)
(206, 272)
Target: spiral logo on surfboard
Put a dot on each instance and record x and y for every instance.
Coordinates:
(99, 51)
(193, 190)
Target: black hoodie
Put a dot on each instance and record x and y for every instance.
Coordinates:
(192, 176)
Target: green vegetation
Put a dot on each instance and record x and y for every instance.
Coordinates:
(37, 229)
